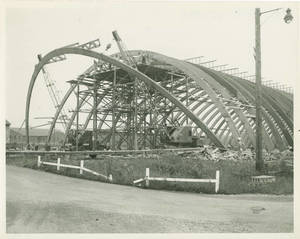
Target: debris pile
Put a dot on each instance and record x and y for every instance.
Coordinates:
(213, 153)
(216, 154)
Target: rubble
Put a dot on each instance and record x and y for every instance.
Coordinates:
(213, 153)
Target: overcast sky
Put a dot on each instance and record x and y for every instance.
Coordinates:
(220, 31)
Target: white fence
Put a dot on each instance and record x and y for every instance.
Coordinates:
(81, 167)
(147, 180)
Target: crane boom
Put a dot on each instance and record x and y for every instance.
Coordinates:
(53, 92)
(124, 53)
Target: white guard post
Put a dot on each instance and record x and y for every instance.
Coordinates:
(147, 177)
(39, 161)
(217, 183)
(58, 163)
(81, 166)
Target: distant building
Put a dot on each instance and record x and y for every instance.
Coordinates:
(17, 136)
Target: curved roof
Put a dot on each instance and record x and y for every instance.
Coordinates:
(226, 114)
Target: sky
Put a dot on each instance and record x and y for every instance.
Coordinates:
(218, 31)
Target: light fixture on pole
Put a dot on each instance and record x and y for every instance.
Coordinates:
(287, 18)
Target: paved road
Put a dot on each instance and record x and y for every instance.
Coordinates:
(44, 202)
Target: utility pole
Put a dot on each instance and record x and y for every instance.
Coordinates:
(258, 120)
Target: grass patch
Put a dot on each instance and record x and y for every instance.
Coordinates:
(235, 176)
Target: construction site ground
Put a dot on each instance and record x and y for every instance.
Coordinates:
(43, 202)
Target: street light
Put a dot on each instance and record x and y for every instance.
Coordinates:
(288, 18)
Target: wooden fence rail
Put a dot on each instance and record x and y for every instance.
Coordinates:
(147, 180)
(81, 167)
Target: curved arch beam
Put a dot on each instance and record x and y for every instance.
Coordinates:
(141, 76)
(59, 109)
(198, 76)
(248, 95)
(273, 113)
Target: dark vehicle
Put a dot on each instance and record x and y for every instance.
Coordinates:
(85, 142)
(181, 136)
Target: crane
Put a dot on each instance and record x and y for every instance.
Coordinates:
(53, 93)
(50, 84)
(124, 53)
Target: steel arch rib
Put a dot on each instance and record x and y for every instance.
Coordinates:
(269, 99)
(213, 108)
(212, 117)
(141, 76)
(61, 105)
(273, 113)
(272, 120)
(231, 88)
(197, 74)
(245, 92)
(273, 116)
(215, 84)
(277, 108)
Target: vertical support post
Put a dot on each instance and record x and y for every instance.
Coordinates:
(95, 116)
(145, 120)
(258, 120)
(151, 120)
(165, 111)
(154, 120)
(217, 181)
(58, 164)
(81, 166)
(77, 117)
(39, 162)
(113, 137)
(187, 96)
(147, 177)
(135, 124)
(172, 90)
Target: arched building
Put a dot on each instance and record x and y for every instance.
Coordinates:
(137, 107)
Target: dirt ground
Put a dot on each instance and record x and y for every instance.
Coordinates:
(43, 202)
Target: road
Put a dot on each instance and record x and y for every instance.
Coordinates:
(37, 201)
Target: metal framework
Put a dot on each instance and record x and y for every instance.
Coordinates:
(131, 108)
